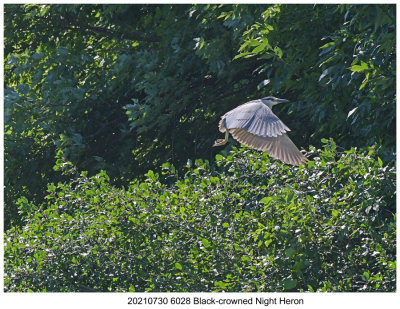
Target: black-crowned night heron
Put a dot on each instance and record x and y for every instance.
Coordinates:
(255, 125)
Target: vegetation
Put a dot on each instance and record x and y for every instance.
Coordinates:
(248, 225)
(107, 106)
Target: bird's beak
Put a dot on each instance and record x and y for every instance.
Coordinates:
(281, 101)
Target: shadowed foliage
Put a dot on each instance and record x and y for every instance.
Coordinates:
(126, 88)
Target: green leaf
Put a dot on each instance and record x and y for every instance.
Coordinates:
(219, 157)
(327, 45)
(290, 252)
(289, 196)
(246, 54)
(365, 82)
(278, 52)
(366, 275)
(267, 242)
(359, 68)
(262, 47)
(289, 284)
(205, 242)
(266, 200)
(178, 266)
(245, 258)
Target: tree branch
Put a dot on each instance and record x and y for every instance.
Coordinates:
(133, 35)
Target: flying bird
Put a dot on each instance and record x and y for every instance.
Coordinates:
(255, 125)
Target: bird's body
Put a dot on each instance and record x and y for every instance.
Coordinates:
(255, 125)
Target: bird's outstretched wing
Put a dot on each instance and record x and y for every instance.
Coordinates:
(254, 117)
(280, 147)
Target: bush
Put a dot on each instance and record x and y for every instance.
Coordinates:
(246, 224)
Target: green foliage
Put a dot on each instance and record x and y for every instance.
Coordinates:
(246, 224)
(360, 61)
(337, 62)
(124, 88)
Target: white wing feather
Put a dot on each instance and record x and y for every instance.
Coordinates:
(280, 147)
(255, 125)
(256, 118)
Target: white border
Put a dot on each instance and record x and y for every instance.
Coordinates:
(120, 300)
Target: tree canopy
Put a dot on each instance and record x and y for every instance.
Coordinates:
(127, 87)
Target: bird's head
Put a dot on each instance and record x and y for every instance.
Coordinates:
(271, 101)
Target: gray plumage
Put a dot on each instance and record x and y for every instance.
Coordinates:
(255, 125)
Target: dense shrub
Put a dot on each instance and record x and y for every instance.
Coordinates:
(246, 224)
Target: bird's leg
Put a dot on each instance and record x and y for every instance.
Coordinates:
(220, 142)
